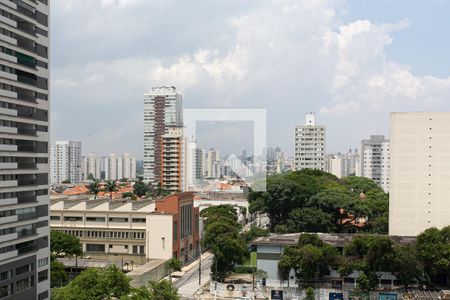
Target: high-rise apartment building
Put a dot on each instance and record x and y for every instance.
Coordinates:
(111, 167)
(24, 143)
(128, 166)
(310, 145)
(92, 166)
(65, 162)
(420, 172)
(213, 164)
(375, 160)
(343, 165)
(172, 160)
(162, 109)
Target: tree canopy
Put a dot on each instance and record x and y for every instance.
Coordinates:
(316, 201)
(62, 243)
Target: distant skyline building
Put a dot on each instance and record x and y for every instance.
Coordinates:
(65, 162)
(420, 172)
(343, 165)
(310, 145)
(92, 166)
(375, 160)
(213, 164)
(162, 109)
(24, 150)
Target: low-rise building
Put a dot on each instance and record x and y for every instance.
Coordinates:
(154, 229)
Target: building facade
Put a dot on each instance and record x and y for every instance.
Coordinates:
(162, 109)
(92, 166)
(213, 164)
(343, 165)
(375, 160)
(66, 162)
(24, 147)
(172, 160)
(153, 229)
(420, 172)
(310, 145)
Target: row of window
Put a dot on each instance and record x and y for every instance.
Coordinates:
(97, 219)
(101, 248)
(138, 235)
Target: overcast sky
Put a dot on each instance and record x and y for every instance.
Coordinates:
(352, 62)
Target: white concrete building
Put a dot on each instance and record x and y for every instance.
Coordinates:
(420, 172)
(92, 166)
(213, 164)
(118, 167)
(375, 160)
(24, 147)
(65, 162)
(343, 165)
(162, 109)
(129, 166)
(310, 145)
(153, 229)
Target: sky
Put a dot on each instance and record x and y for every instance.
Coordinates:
(351, 62)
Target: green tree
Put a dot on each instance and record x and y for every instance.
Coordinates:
(309, 219)
(62, 243)
(110, 187)
(213, 213)
(173, 265)
(311, 258)
(433, 251)
(124, 179)
(255, 232)
(90, 176)
(310, 294)
(67, 181)
(58, 275)
(94, 284)
(405, 265)
(128, 195)
(363, 283)
(163, 290)
(140, 188)
(94, 188)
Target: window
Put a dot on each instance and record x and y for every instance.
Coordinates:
(119, 220)
(24, 269)
(24, 283)
(6, 275)
(95, 247)
(42, 275)
(138, 220)
(73, 218)
(5, 290)
(95, 219)
(55, 218)
(43, 262)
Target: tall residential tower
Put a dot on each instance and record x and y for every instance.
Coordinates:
(310, 145)
(375, 160)
(65, 162)
(420, 172)
(24, 141)
(162, 110)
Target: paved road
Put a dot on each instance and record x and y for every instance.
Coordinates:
(188, 284)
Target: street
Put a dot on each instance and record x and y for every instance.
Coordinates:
(188, 284)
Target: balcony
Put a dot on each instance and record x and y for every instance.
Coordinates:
(27, 165)
(26, 131)
(8, 166)
(5, 129)
(8, 183)
(27, 199)
(27, 80)
(26, 216)
(22, 182)
(26, 148)
(8, 201)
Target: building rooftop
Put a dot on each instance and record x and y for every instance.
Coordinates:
(336, 239)
(142, 205)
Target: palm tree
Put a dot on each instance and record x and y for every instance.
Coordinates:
(110, 187)
(94, 188)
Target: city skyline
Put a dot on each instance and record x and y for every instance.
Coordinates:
(357, 64)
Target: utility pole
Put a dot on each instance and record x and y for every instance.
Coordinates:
(200, 265)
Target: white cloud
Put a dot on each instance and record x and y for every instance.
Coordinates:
(288, 56)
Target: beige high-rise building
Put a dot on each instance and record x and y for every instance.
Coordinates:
(172, 160)
(420, 172)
